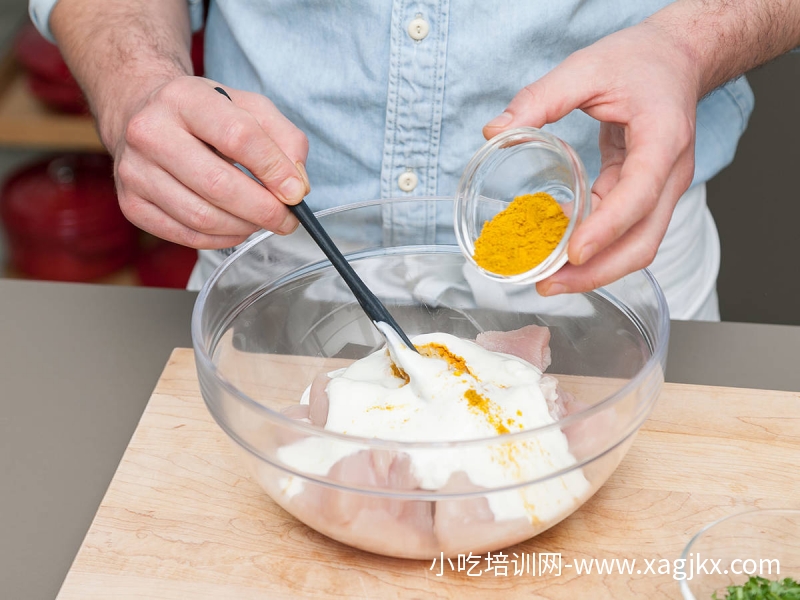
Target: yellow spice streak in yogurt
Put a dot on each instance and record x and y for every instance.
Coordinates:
(508, 455)
(399, 373)
(481, 404)
(530, 508)
(457, 363)
(477, 402)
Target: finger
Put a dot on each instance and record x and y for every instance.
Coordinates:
(642, 180)
(149, 217)
(237, 134)
(181, 203)
(605, 182)
(548, 99)
(612, 156)
(292, 141)
(214, 179)
(633, 251)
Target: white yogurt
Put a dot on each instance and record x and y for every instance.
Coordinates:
(454, 390)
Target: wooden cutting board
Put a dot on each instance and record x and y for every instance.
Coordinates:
(181, 519)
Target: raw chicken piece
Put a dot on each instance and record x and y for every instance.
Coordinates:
(315, 412)
(318, 400)
(405, 526)
(277, 434)
(553, 394)
(586, 435)
(299, 412)
(468, 525)
(370, 468)
(530, 343)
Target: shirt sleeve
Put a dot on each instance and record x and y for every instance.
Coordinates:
(39, 11)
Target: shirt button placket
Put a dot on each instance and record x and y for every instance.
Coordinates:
(413, 117)
(407, 181)
(418, 29)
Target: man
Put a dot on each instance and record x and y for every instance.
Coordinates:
(382, 99)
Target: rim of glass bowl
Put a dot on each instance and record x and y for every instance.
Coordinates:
(204, 359)
(736, 515)
(581, 208)
(685, 590)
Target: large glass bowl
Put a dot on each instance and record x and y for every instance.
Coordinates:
(761, 543)
(275, 314)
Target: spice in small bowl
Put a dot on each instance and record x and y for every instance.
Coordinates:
(519, 200)
(521, 236)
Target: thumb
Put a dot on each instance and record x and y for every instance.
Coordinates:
(546, 100)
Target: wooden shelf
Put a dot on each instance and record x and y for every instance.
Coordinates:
(26, 122)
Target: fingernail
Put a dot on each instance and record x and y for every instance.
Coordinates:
(288, 225)
(554, 289)
(588, 251)
(501, 120)
(302, 168)
(292, 190)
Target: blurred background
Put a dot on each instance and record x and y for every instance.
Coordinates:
(58, 212)
(59, 218)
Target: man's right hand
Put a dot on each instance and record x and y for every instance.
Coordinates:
(173, 137)
(173, 179)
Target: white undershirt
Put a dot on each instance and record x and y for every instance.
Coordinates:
(687, 263)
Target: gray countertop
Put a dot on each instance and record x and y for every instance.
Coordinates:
(79, 363)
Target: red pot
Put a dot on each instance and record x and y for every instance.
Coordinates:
(164, 264)
(62, 220)
(59, 96)
(49, 78)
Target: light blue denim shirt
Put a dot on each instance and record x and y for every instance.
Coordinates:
(393, 95)
(377, 103)
(379, 99)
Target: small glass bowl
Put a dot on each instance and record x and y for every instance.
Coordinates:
(516, 162)
(761, 542)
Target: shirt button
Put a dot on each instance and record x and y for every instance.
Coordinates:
(418, 29)
(407, 181)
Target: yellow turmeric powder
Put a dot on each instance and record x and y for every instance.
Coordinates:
(479, 403)
(458, 364)
(521, 236)
(399, 373)
(482, 405)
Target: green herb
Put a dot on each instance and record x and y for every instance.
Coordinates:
(758, 588)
